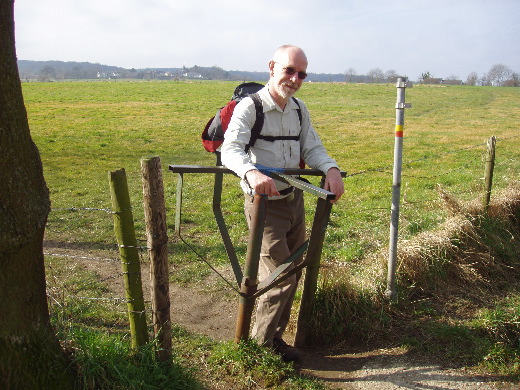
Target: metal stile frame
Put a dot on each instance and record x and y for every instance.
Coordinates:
(249, 288)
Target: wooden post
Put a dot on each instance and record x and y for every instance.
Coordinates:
(488, 174)
(313, 260)
(249, 282)
(157, 239)
(128, 251)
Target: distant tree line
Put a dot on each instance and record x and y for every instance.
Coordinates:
(375, 75)
(61, 70)
(498, 75)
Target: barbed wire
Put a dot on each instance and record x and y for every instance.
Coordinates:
(385, 169)
(116, 299)
(140, 247)
(506, 138)
(406, 203)
(79, 257)
(106, 210)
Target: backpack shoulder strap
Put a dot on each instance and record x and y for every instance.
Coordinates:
(298, 110)
(259, 121)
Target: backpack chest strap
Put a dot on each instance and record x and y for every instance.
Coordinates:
(259, 123)
(271, 138)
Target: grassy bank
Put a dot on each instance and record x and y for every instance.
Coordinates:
(84, 130)
(457, 300)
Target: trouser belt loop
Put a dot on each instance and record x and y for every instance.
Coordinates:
(286, 191)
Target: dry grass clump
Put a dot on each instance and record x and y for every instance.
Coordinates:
(473, 251)
(506, 204)
(459, 253)
(342, 311)
(427, 254)
(454, 254)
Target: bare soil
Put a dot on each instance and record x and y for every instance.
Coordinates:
(214, 314)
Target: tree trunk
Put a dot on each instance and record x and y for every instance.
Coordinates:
(30, 354)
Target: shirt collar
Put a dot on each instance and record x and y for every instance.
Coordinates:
(270, 104)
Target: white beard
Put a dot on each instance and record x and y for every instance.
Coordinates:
(284, 91)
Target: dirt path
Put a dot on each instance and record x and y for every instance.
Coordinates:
(380, 369)
(391, 369)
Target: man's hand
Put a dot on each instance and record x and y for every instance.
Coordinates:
(261, 184)
(334, 183)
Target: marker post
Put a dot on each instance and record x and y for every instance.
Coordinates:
(396, 185)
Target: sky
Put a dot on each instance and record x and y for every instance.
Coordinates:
(447, 38)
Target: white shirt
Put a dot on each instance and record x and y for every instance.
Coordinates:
(277, 154)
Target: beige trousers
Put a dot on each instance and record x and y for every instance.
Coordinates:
(284, 233)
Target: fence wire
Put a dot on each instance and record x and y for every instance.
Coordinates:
(62, 291)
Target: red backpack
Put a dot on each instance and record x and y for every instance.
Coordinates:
(213, 134)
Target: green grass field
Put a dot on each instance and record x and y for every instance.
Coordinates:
(86, 129)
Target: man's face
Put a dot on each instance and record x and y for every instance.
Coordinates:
(283, 82)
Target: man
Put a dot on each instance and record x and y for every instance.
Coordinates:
(285, 220)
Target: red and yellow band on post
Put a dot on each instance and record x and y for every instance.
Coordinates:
(398, 130)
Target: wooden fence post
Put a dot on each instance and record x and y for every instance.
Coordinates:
(488, 174)
(157, 239)
(249, 283)
(128, 251)
(313, 259)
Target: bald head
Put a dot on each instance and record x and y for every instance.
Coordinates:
(288, 54)
(287, 70)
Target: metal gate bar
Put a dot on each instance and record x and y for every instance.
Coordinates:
(247, 281)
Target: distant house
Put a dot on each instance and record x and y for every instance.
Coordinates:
(452, 82)
(192, 75)
(432, 80)
(108, 75)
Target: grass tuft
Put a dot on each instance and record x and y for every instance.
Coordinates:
(248, 364)
(107, 362)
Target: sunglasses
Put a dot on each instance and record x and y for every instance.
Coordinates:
(289, 70)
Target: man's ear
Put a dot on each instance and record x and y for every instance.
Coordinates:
(271, 67)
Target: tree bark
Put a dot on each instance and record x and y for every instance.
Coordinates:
(30, 354)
